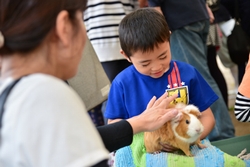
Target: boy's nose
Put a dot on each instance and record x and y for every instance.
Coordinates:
(156, 67)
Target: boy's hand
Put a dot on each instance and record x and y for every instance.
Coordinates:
(168, 148)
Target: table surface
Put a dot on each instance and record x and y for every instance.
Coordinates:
(235, 145)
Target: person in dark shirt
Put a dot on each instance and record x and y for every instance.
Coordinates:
(189, 24)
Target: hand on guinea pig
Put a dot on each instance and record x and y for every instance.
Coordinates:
(181, 131)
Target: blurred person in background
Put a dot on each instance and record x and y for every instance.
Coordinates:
(189, 24)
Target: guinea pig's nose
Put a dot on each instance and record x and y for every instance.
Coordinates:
(198, 130)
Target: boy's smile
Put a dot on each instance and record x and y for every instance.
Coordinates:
(153, 63)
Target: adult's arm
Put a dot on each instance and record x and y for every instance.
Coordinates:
(116, 135)
(103, 163)
(242, 103)
(242, 108)
(120, 134)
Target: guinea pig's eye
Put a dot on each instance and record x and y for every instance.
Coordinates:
(187, 122)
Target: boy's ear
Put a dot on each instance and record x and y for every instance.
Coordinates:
(123, 53)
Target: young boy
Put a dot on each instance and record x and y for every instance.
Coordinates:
(144, 38)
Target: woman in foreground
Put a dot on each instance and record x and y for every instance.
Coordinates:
(44, 122)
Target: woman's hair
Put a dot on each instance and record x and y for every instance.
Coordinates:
(142, 30)
(25, 23)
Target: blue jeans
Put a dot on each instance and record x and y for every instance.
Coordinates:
(188, 44)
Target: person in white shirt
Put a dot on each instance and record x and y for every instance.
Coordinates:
(43, 122)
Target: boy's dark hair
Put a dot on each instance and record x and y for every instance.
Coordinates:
(142, 30)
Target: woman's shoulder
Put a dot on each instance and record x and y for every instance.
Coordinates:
(32, 81)
(41, 87)
(43, 81)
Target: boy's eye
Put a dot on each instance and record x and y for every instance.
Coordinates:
(145, 65)
(162, 58)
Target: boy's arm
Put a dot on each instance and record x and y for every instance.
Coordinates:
(114, 120)
(208, 121)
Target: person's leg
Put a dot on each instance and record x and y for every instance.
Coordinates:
(188, 44)
(216, 73)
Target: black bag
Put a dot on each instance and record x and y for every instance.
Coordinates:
(238, 42)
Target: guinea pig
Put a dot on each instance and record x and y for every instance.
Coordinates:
(182, 131)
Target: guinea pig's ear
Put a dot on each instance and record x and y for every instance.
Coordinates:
(196, 113)
(178, 117)
(192, 110)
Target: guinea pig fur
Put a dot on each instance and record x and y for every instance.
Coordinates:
(182, 131)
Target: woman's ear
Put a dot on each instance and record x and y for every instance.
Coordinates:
(123, 53)
(63, 28)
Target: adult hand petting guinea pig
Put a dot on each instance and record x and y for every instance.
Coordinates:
(156, 114)
(182, 131)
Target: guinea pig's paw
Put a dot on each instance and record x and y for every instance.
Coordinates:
(189, 154)
(201, 145)
(156, 152)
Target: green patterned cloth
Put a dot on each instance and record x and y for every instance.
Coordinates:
(135, 156)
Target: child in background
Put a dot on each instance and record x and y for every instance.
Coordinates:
(144, 38)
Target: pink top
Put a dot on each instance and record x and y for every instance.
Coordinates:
(244, 87)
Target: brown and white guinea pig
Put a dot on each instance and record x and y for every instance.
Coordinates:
(182, 131)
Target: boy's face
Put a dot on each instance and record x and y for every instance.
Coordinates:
(154, 63)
